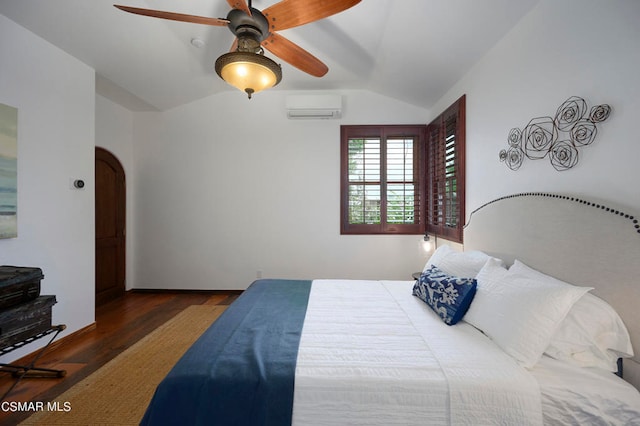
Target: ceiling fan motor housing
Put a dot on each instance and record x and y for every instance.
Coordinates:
(231, 67)
(242, 25)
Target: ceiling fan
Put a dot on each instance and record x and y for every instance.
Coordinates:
(245, 66)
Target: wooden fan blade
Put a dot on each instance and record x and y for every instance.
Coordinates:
(218, 22)
(295, 55)
(234, 45)
(292, 13)
(240, 4)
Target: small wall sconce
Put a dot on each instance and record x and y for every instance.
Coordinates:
(427, 244)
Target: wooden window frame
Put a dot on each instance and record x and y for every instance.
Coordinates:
(384, 132)
(441, 209)
(440, 204)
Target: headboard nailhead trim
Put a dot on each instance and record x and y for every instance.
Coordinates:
(563, 197)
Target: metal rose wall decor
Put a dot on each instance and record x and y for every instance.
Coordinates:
(557, 138)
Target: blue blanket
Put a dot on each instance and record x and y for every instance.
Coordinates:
(241, 370)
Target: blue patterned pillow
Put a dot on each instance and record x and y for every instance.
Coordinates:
(448, 296)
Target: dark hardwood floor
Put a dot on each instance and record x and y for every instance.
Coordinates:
(119, 324)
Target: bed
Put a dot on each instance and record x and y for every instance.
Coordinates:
(365, 352)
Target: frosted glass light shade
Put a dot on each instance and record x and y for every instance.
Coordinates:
(249, 72)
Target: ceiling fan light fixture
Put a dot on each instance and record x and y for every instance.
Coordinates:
(249, 72)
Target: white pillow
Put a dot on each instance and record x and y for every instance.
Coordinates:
(518, 313)
(464, 264)
(592, 334)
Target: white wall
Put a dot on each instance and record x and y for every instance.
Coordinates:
(114, 132)
(586, 48)
(227, 187)
(55, 97)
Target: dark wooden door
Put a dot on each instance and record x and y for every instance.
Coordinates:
(110, 227)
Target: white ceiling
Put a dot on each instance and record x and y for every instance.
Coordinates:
(412, 50)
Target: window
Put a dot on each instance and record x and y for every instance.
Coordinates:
(445, 173)
(380, 179)
(399, 179)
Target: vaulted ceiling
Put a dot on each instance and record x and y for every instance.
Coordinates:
(411, 50)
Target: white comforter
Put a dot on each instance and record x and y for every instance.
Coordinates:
(373, 354)
(585, 396)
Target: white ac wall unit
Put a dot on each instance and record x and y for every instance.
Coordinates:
(314, 107)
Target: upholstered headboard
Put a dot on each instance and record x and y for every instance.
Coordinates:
(584, 242)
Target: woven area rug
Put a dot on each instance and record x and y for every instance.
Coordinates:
(119, 392)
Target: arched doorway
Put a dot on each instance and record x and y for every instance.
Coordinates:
(110, 193)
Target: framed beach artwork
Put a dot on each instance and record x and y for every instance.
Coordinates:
(8, 171)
